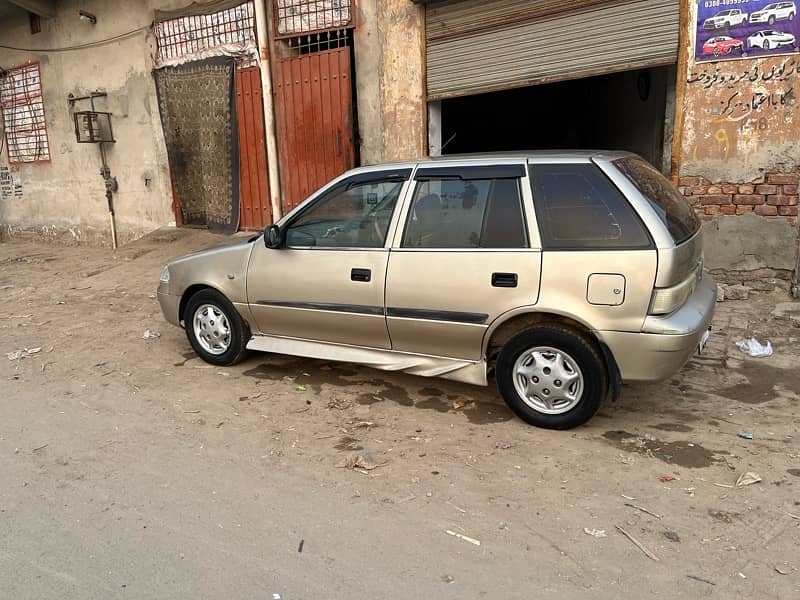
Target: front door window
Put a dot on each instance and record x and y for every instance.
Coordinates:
(351, 215)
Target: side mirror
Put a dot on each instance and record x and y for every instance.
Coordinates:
(273, 237)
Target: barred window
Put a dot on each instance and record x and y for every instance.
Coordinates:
(296, 17)
(22, 105)
(201, 35)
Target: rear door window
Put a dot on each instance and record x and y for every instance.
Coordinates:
(579, 208)
(672, 208)
(451, 212)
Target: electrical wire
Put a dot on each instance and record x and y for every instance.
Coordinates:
(79, 46)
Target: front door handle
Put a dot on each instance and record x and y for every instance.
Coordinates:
(360, 275)
(508, 280)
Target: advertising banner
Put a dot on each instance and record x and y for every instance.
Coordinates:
(734, 29)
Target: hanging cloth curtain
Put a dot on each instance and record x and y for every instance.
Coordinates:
(197, 102)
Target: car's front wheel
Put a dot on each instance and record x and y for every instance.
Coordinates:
(771, 20)
(551, 377)
(216, 331)
(765, 45)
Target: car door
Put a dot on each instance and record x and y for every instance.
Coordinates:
(326, 282)
(463, 257)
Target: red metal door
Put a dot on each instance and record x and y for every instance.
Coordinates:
(314, 113)
(255, 211)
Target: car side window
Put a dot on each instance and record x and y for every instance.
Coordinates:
(354, 214)
(466, 213)
(579, 208)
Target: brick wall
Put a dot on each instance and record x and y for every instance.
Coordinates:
(774, 196)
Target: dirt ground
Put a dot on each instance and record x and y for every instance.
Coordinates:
(131, 469)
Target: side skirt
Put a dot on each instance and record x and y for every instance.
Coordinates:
(467, 371)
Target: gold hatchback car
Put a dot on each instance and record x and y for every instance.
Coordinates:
(563, 273)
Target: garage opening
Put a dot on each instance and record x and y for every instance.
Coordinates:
(630, 110)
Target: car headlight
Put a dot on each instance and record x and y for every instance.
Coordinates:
(164, 275)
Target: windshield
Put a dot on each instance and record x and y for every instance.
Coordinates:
(671, 207)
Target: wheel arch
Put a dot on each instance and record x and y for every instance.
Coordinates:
(507, 326)
(191, 291)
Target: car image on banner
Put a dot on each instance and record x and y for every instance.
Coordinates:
(735, 29)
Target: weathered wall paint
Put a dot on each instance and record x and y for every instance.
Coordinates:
(390, 80)
(66, 195)
(741, 117)
(740, 158)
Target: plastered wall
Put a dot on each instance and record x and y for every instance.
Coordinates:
(65, 197)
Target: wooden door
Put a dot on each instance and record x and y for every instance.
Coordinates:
(314, 114)
(255, 211)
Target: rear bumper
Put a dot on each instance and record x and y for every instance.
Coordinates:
(665, 343)
(170, 307)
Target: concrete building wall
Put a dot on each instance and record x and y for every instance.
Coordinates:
(739, 158)
(65, 197)
(390, 80)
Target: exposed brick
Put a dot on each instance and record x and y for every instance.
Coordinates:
(783, 179)
(715, 199)
(699, 190)
(683, 190)
(727, 210)
(712, 210)
(747, 188)
(714, 189)
(766, 188)
(781, 200)
(748, 198)
(744, 208)
(766, 211)
(730, 189)
(692, 181)
(790, 189)
(787, 211)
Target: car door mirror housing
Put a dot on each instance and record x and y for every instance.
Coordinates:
(273, 236)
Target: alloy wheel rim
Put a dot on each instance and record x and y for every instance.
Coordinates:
(211, 329)
(548, 380)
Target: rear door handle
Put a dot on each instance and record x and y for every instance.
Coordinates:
(360, 275)
(504, 280)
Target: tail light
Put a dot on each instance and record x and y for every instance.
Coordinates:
(667, 300)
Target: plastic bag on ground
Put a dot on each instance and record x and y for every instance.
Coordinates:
(753, 347)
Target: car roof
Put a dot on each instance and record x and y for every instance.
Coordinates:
(484, 157)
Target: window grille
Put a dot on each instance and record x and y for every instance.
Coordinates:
(186, 36)
(23, 115)
(296, 17)
(320, 41)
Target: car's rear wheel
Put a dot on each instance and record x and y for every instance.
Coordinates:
(551, 377)
(791, 16)
(216, 331)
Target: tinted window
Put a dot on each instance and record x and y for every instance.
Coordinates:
(456, 213)
(671, 207)
(354, 215)
(579, 208)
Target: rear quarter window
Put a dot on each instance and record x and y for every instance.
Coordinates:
(671, 207)
(579, 208)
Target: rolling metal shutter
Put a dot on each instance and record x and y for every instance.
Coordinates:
(476, 46)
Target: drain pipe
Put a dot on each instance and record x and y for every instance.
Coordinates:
(269, 111)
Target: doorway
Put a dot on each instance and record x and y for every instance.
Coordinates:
(629, 110)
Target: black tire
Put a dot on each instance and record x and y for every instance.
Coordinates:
(238, 329)
(765, 45)
(791, 17)
(771, 20)
(579, 349)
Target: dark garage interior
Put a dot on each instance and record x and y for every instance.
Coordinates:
(619, 111)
